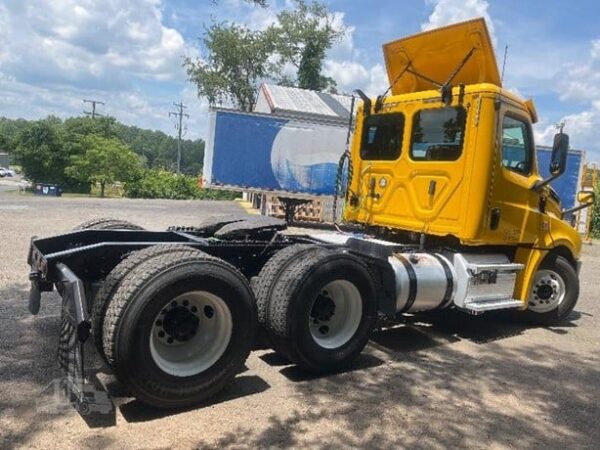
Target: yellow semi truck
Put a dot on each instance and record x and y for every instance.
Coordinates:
(443, 207)
(453, 161)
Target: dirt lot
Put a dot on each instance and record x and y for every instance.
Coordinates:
(436, 382)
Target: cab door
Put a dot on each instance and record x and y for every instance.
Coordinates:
(515, 206)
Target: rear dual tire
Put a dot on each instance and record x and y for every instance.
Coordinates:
(320, 307)
(113, 281)
(179, 327)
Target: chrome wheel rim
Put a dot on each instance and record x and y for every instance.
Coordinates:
(335, 314)
(548, 291)
(190, 333)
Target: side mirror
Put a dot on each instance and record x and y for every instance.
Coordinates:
(586, 197)
(585, 200)
(558, 163)
(560, 149)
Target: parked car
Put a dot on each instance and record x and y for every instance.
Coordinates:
(4, 172)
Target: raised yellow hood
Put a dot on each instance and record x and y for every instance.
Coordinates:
(436, 54)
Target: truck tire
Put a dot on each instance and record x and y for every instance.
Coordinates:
(107, 223)
(322, 310)
(263, 284)
(554, 292)
(179, 327)
(112, 282)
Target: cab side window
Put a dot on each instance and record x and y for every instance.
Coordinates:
(516, 145)
(438, 134)
(382, 137)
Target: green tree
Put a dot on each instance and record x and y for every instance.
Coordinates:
(5, 144)
(157, 149)
(595, 225)
(105, 161)
(301, 38)
(237, 61)
(40, 151)
(9, 130)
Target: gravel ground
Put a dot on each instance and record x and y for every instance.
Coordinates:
(441, 381)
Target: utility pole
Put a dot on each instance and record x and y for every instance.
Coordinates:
(93, 113)
(178, 126)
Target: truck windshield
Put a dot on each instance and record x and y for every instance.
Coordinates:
(437, 134)
(382, 137)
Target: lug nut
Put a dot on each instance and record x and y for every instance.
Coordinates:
(209, 311)
(185, 303)
(324, 329)
(161, 334)
(170, 340)
(194, 309)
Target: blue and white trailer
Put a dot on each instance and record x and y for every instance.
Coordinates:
(297, 157)
(288, 156)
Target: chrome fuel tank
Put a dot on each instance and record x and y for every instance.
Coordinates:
(424, 281)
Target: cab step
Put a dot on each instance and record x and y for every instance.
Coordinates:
(480, 306)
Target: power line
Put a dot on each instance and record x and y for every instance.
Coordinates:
(178, 126)
(93, 112)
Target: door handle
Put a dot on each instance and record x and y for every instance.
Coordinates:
(432, 186)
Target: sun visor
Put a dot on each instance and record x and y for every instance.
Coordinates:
(436, 54)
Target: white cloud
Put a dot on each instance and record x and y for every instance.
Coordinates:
(583, 129)
(579, 83)
(90, 44)
(54, 54)
(352, 75)
(446, 12)
(344, 63)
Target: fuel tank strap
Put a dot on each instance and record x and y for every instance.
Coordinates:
(449, 282)
(412, 282)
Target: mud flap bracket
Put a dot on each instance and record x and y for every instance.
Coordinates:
(89, 397)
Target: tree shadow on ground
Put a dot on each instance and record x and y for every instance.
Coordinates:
(414, 386)
(431, 394)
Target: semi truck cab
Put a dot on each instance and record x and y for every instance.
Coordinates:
(453, 160)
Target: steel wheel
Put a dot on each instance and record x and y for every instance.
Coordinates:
(335, 314)
(548, 291)
(190, 333)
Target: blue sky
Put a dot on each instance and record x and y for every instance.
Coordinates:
(128, 53)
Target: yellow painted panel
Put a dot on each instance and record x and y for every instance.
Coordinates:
(437, 53)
